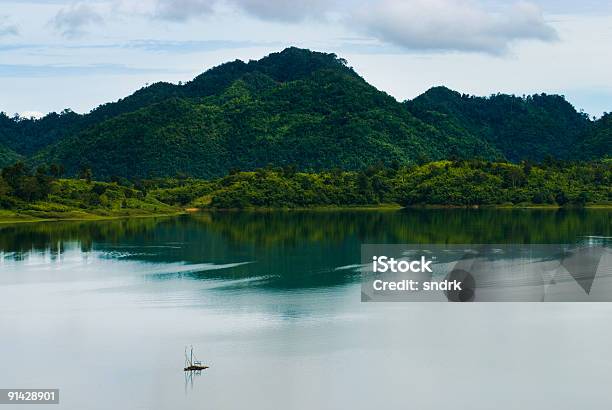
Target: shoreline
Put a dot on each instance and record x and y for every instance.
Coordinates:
(21, 218)
(17, 218)
(395, 207)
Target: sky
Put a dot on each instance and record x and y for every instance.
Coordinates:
(58, 54)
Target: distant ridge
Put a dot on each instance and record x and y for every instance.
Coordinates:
(531, 127)
(297, 107)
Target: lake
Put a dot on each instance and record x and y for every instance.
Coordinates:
(271, 302)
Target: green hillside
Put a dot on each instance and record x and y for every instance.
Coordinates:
(300, 108)
(531, 127)
(597, 142)
(27, 136)
(7, 156)
(292, 108)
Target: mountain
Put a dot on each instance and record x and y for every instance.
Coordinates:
(297, 107)
(27, 136)
(597, 142)
(531, 127)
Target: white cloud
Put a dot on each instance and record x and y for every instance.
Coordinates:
(182, 10)
(276, 10)
(433, 25)
(6, 28)
(73, 20)
(283, 10)
(451, 25)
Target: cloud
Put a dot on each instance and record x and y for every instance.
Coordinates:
(193, 46)
(487, 26)
(182, 10)
(73, 20)
(52, 70)
(275, 10)
(428, 25)
(6, 28)
(451, 25)
(283, 10)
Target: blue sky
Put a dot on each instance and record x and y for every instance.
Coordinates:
(57, 54)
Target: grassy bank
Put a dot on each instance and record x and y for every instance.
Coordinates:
(75, 199)
(27, 216)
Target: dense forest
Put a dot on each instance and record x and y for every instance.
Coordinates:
(42, 193)
(302, 109)
(459, 183)
(531, 127)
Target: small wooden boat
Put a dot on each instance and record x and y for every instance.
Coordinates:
(195, 367)
(191, 363)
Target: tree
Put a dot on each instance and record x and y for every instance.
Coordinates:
(561, 198)
(582, 198)
(13, 174)
(86, 174)
(56, 170)
(527, 167)
(289, 171)
(25, 186)
(4, 187)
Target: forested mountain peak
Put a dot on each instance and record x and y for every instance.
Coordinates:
(439, 93)
(298, 108)
(295, 63)
(441, 96)
(288, 65)
(597, 142)
(526, 127)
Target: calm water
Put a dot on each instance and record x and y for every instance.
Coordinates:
(271, 301)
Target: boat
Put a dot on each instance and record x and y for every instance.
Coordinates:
(191, 363)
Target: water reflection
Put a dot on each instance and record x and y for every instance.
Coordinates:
(284, 250)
